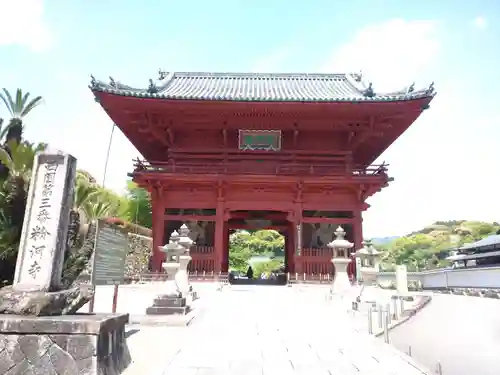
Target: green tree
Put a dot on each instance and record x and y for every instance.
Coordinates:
(18, 107)
(139, 210)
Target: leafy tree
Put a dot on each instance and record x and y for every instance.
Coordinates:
(139, 210)
(423, 249)
(243, 245)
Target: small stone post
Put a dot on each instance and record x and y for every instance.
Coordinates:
(340, 260)
(401, 280)
(45, 228)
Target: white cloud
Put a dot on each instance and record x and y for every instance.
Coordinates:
(22, 23)
(392, 54)
(480, 23)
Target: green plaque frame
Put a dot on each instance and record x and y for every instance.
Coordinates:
(259, 140)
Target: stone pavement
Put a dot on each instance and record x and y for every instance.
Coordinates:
(268, 330)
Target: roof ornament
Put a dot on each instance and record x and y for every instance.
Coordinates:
(112, 82)
(358, 77)
(411, 88)
(430, 89)
(152, 89)
(93, 82)
(162, 75)
(369, 93)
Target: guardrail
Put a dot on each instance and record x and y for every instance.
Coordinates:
(473, 278)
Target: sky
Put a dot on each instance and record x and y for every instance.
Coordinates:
(445, 166)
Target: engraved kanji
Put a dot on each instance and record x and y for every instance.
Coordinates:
(36, 250)
(49, 178)
(51, 167)
(34, 269)
(39, 232)
(43, 216)
(45, 203)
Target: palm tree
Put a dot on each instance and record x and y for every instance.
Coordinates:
(18, 109)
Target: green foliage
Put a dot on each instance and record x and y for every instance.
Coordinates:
(243, 245)
(421, 249)
(139, 209)
(266, 267)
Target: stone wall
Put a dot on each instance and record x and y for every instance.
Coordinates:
(140, 248)
(70, 345)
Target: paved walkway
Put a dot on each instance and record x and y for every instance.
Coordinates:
(275, 330)
(462, 333)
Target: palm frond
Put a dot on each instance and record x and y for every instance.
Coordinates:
(29, 107)
(7, 100)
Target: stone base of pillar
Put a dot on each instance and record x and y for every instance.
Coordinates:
(167, 305)
(341, 283)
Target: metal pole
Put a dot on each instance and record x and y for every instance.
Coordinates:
(370, 321)
(395, 309)
(386, 325)
(380, 316)
(401, 305)
(409, 350)
(439, 369)
(92, 301)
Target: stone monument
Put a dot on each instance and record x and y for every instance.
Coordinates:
(341, 283)
(39, 325)
(401, 279)
(173, 300)
(369, 258)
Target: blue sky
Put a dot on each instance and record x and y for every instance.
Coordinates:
(445, 166)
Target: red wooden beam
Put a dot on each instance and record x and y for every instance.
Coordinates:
(251, 227)
(188, 218)
(329, 220)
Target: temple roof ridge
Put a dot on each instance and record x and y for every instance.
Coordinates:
(234, 86)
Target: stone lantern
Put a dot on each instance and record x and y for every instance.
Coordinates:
(171, 265)
(340, 260)
(181, 276)
(173, 300)
(370, 263)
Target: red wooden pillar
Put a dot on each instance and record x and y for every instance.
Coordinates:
(225, 254)
(358, 238)
(296, 229)
(158, 208)
(219, 237)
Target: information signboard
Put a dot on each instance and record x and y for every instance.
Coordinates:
(108, 267)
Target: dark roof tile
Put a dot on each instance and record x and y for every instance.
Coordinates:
(260, 87)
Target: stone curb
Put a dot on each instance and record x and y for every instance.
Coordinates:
(408, 314)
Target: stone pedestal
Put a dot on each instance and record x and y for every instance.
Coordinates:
(70, 344)
(341, 283)
(168, 305)
(172, 301)
(181, 277)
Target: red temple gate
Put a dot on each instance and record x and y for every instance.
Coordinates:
(291, 152)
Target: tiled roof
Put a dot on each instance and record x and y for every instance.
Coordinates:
(260, 87)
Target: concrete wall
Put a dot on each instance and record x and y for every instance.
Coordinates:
(482, 278)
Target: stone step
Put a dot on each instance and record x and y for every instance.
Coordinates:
(161, 310)
(169, 302)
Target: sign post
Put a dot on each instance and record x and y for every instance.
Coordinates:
(108, 267)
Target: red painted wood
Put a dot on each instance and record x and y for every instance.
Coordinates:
(195, 163)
